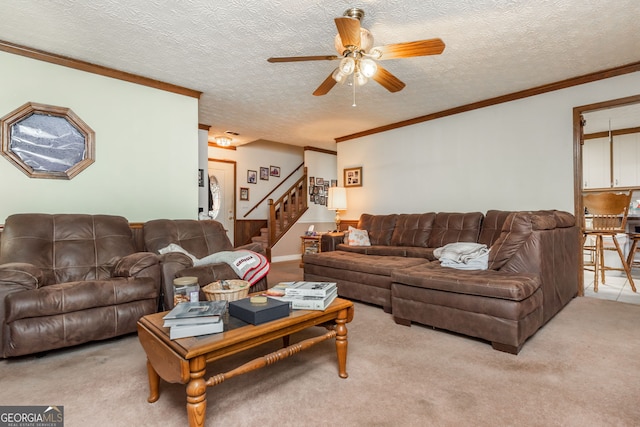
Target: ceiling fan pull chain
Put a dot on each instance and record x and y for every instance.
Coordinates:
(353, 76)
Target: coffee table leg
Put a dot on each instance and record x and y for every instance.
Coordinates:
(197, 392)
(154, 383)
(341, 343)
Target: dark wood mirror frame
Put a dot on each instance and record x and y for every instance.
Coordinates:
(60, 147)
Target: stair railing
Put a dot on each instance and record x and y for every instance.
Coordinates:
(285, 211)
(274, 190)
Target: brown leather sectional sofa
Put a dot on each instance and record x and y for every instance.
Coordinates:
(68, 279)
(532, 271)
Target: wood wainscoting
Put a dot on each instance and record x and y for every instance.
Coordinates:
(245, 229)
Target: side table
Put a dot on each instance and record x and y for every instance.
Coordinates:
(309, 245)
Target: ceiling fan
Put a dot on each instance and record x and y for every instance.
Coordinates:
(358, 57)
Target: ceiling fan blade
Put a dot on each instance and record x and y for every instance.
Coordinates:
(409, 49)
(325, 86)
(349, 30)
(303, 58)
(388, 80)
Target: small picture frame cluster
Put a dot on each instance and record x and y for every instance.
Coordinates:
(353, 177)
(265, 173)
(319, 189)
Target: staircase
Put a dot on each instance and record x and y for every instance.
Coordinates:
(283, 213)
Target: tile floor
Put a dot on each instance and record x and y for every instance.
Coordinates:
(616, 287)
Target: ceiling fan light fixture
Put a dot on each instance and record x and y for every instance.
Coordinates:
(375, 53)
(359, 79)
(368, 67)
(347, 65)
(223, 141)
(339, 76)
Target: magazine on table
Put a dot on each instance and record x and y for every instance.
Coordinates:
(199, 312)
(306, 302)
(183, 331)
(312, 289)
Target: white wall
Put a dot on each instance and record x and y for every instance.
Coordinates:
(513, 156)
(146, 145)
(253, 156)
(320, 165)
(262, 153)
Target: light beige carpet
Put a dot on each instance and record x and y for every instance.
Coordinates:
(581, 369)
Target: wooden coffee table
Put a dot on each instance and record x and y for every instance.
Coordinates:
(185, 360)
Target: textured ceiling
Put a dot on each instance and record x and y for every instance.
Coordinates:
(493, 47)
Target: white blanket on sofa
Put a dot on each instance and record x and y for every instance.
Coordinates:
(463, 255)
(248, 265)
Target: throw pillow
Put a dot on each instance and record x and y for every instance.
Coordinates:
(358, 237)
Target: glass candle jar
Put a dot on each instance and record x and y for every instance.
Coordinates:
(185, 289)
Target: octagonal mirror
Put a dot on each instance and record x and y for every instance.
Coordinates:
(45, 141)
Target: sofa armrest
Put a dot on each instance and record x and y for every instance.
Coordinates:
(22, 274)
(329, 241)
(133, 265)
(253, 247)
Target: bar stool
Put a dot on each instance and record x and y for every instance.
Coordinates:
(634, 238)
(608, 217)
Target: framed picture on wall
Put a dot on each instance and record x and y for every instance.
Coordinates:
(244, 193)
(353, 177)
(252, 177)
(264, 174)
(200, 177)
(275, 171)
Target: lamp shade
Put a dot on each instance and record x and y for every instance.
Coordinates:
(337, 199)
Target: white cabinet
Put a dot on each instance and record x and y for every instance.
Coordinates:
(596, 163)
(626, 160)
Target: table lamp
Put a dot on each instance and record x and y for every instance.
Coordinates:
(337, 201)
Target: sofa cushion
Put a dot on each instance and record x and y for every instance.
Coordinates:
(486, 283)
(382, 265)
(413, 229)
(379, 227)
(455, 227)
(492, 226)
(417, 252)
(375, 250)
(78, 296)
(199, 238)
(67, 247)
(26, 275)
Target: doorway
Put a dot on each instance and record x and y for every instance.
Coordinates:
(599, 123)
(222, 193)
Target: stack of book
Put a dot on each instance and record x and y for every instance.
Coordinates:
(305, 295)
(190, 319)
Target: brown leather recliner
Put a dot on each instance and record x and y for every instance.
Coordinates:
(67, 279)
(200, 238)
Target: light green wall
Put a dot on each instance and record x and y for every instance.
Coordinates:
(146, 145)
